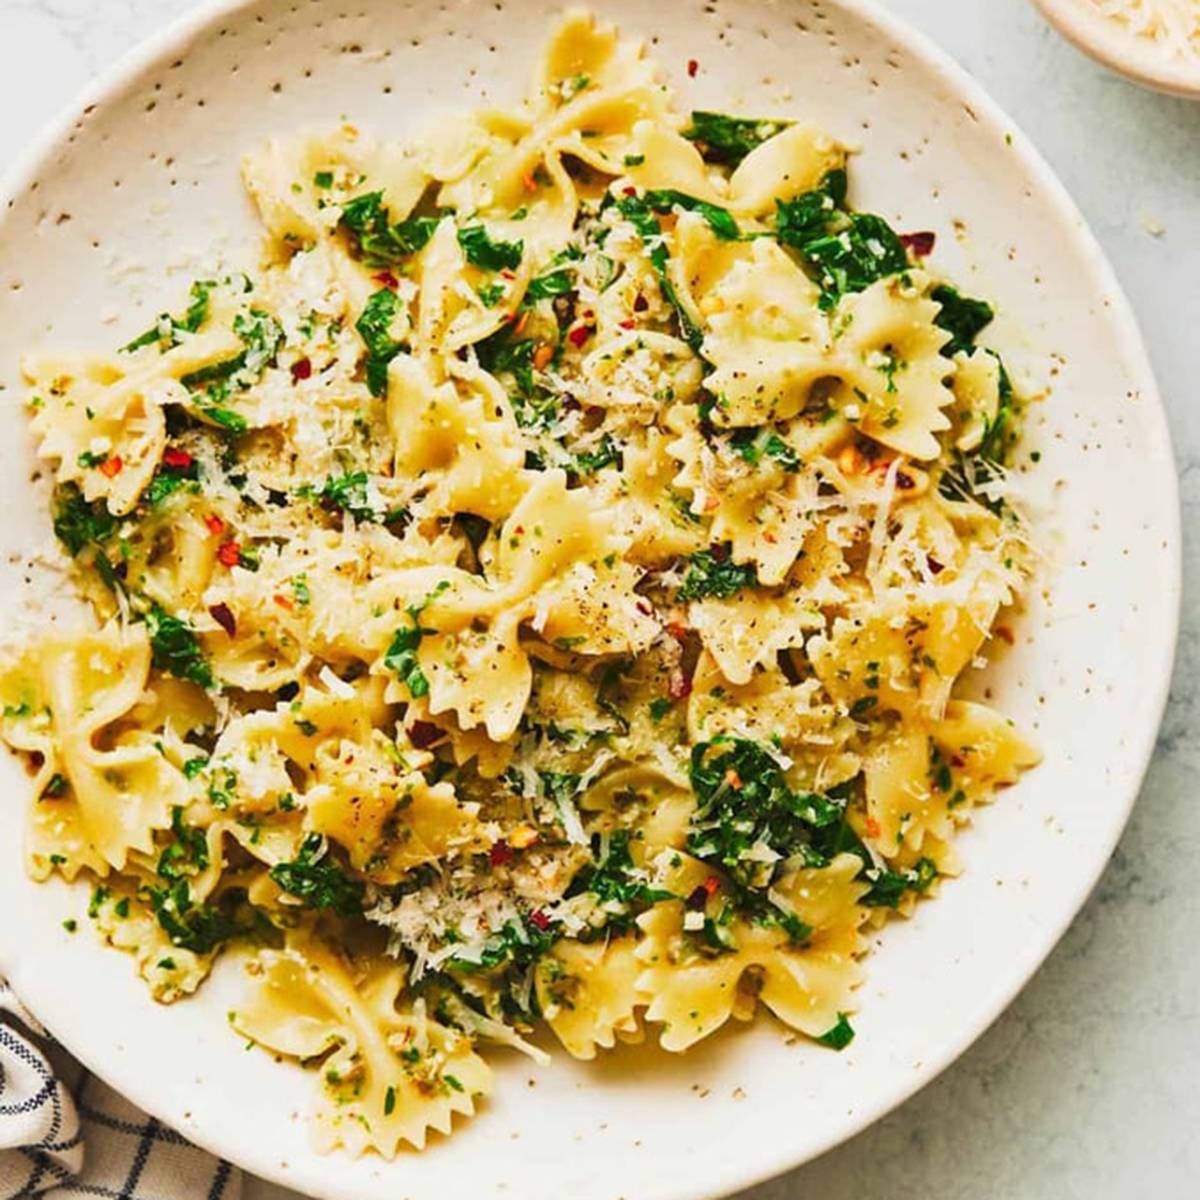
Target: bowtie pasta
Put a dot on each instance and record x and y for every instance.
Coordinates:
(537, 591)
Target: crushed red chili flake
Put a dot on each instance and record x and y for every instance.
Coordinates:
(640, 303)
(507, 274)
(921, 244)
(693, 67)
(873, 829)
(679, 685)
(628, 323)
(387, 279)
(719, 551)
(229, 554)
(678, 630)
(500, 854)
(173, 457)
(711, 884)
(935, 567)
(540, 919)
(579, 335)
(424, 733)
(629, 190)
(958, 761)
(644, 607)
(111, 467)
(733, 779)
(224, 617)
(282, 601)
(302, 369)
(215, 525)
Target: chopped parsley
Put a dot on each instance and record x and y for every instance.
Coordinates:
(401, 655)
(719, 220)
(79, 523)
(553, 283)
(840, 1036)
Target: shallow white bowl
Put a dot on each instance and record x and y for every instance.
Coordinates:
(123, 203)
(1108, 42)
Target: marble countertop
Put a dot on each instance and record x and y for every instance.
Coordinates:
(1086, 1086)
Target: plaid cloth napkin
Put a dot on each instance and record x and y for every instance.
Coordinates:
(65, 1135)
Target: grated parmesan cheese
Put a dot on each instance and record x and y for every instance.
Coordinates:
(1174, 25)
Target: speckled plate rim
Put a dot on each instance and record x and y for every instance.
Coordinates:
(1103, 40)
(758, 1162)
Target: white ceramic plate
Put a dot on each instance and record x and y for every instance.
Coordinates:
(124, 202)
(1110, 43)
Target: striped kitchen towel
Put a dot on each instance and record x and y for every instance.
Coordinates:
(64, 1134)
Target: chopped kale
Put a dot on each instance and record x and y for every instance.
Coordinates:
(745, 807)
(960, 316)
(553, 283)
(615, 882)
(188, 852)
(78, 522)
(714, 573)
(607, 454)
(175, 649)
(753, 444)
(639, 214)
(378, 242)
(520, 942)
(491, 254)
(318, 880)
(809, 216)
(840, 1036)
(866, 250)
(720, 220)
(165, 330)
(349, 493)
(375, 329)
(725, 139)
(201, 928)
(262, 336)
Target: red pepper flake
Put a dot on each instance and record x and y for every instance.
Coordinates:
(111, 467)
(958, 761)
(540, 919)
(1005, 634)
(678, 630)
(387, 279)
(873, 829)
(693, 67)
(519, 531)
(640, 303)
(282, 601)
(215, 525)
(644, 607)
(173, 457)
(921, 244)
(229, 554)
(530, 182)
(628, 323)
(719, 551)
(679, 685)
(501, 853)
(519, 320)
(629, 190)
(223, 617)
(711, 884)
(424, 733)
(733, 779)
(302, 369)
(507, 274)
(935, 567)
(579, 335)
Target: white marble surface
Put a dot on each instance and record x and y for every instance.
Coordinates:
(1086, 1087)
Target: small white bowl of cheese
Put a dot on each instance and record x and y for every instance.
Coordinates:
(1153, 42)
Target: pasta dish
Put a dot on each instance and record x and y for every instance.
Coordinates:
(535, 593)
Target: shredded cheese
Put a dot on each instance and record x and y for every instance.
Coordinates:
(1173, 24)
